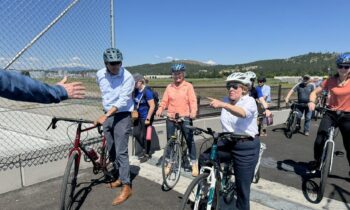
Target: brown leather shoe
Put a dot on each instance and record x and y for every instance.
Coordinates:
(115, 184)
(124, 195)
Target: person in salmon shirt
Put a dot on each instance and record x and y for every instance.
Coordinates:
(179, 98)
(338, 88)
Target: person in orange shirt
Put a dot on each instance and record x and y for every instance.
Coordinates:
(180, 99)
(338, 88)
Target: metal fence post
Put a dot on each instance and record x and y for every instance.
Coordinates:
(279, 96)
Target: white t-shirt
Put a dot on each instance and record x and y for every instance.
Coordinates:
(238, 125)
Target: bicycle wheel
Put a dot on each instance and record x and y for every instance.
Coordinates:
(199, 195)
(69, 182)
(292, 123)
(171, 163)
(326, 167)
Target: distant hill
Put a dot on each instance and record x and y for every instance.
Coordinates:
(311, 63)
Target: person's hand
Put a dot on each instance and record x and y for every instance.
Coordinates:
(268, 112)
(215, 103)
(159, 113)
(286, 100)
(101, 120)
(193, 116)
(311, 106)
(147, 122)
(75, 90)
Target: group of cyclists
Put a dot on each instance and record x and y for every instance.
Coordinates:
(123, 92)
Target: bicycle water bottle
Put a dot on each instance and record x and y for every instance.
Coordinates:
(91, 152)
(149, 133)
(214, 150)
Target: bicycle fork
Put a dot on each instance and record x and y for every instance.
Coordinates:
(331, 141)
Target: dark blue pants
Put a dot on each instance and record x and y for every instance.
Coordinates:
(332, 119)
(245, 156)
(188, 134)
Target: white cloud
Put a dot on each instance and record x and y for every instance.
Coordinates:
(210, 62)
(157, 56)
(33, 59)
(76, 58)
(169, 58)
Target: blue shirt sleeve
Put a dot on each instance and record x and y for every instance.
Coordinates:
(148, 94)
(259, 92)
(18, 87)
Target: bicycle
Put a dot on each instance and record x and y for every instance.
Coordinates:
(293, 119)
(213, 182)
(326, 159)
(175, 155)
(100, 163)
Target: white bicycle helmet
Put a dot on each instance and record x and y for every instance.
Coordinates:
(240, 77)
(251, 74)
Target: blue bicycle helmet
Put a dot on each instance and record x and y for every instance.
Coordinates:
(112, 55)
(343, 59)
(178, 67)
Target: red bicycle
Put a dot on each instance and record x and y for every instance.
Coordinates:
(100, 160)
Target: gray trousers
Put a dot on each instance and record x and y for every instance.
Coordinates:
(117, 129)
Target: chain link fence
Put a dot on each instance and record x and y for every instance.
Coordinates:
(47, 40)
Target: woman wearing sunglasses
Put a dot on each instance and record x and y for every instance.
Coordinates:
(338, 88)
(239, 114)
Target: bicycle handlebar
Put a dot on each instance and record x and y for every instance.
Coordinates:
(54, 121)
(214, 134)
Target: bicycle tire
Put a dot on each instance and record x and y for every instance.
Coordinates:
(69, 182)
(256, 177)
(175, 159)
(291, 125)
(325, 172)
(189, 196)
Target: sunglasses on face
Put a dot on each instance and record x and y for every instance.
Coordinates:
(232, 85)
(115, 63)
(341, 67)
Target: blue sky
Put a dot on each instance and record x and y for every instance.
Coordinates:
(228, 31)
(153, 31)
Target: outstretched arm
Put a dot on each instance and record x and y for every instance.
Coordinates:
(18, 87)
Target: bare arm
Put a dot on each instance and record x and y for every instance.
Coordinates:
(235, 110)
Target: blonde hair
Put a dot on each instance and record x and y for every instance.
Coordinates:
(245, 89)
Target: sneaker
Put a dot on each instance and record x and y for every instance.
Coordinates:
(145, 158)
(313, 166)
(195, 169)
(306, 133)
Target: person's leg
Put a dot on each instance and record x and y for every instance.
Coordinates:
(322, 133)
(188, 134)
(170, 131)
(246, 156)
(308, 115)
(109, 135)
(300, 115)
(137, 133)
(122, 129)
(344, 127)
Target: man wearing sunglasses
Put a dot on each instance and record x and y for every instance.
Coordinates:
(117, 85)
(338, 88)
(303, 90)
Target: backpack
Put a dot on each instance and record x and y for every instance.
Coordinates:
(155, 98)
